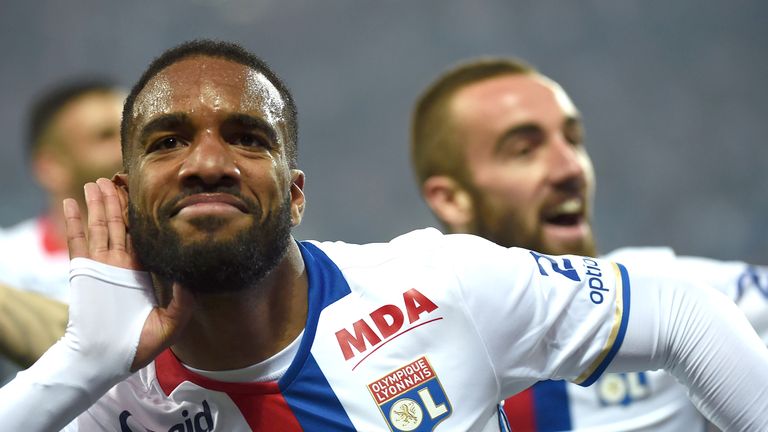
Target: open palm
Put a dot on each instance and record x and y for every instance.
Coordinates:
(107, 241)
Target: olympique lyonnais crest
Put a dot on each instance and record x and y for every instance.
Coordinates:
(411, 397)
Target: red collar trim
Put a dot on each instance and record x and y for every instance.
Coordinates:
(51, 242)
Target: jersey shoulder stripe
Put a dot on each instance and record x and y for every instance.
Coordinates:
(619, 329)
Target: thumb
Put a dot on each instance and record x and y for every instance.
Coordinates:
(164, 326)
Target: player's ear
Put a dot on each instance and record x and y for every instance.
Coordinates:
(449, 201)
(120, 179)
(297, 196)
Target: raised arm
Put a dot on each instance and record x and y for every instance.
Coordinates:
(114, 327)
(568, 317)
(699, 335)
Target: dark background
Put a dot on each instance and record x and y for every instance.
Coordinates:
(672, 93)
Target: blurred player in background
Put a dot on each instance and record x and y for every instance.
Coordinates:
(73, 138)
(498, 150)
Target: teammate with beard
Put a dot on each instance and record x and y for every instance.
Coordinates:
(499, 152)
(73, 138)
(256, 331)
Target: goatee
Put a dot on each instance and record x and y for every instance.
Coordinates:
(213, 265)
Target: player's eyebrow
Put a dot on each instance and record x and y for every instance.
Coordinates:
(164, 122)
(530, 128)
(521, 129)
(250, 122)
(572, 121)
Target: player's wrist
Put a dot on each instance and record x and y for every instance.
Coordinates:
(109, 308)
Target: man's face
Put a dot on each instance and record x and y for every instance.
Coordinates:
(87, 131)
(532, 182)
(212, 199)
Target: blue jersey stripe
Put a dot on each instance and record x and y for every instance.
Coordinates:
(625, 290)
(503, 420)
(326, 285)
(550, 401)
(304, 386)
(314, 403)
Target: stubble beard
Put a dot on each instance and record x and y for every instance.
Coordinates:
(212, 265)
(509, 231)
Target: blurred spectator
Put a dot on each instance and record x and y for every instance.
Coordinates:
(73, 138)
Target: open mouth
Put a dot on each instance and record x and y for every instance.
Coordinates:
(564, 220)
(566, 213)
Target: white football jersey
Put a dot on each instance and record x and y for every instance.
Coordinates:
(31, 259)
(410, 335)
(644, 401)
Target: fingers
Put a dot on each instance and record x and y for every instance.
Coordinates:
(76, 242)
(98, 235)
(113, 213)
(122, 194)
(106, 224)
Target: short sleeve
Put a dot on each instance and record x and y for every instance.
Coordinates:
(540, 316)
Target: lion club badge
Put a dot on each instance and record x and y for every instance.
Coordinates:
(411, 397)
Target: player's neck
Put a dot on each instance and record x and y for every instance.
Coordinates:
(238, 330)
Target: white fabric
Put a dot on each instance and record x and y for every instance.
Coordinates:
(713, 357)
(649, 401)
(25, 264)
(483, 321)
(108, 310)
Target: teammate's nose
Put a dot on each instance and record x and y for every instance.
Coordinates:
(210, 161)
(565, 162)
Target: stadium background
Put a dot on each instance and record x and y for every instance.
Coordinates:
(673, 95)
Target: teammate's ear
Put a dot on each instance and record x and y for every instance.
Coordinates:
(297, 196)
(449, 201)
(51, 173)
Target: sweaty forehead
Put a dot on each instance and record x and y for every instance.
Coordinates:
(207, 83)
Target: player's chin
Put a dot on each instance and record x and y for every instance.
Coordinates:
(568, 239)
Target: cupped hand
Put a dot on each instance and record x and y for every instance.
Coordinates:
(107, 241)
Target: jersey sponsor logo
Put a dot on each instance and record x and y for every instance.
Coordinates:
(385, 323)
(411, 397)
(595, 281)
(622, 388)
(199, 422)
(564, 267)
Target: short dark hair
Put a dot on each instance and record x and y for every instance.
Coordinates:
(434, 148)
(52, 101)
(217, 49)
